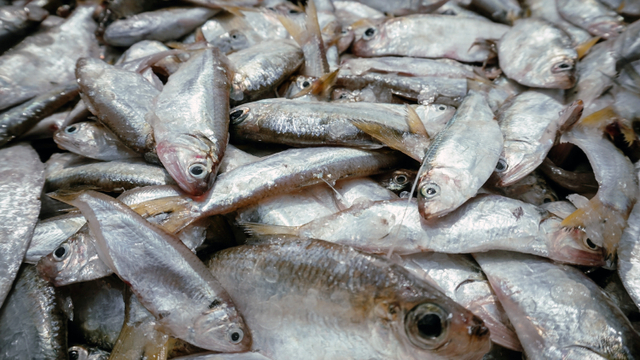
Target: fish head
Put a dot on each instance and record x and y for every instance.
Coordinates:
(440, 192)
(221, 328)
(345, 39)
(67, 263)
(371, 38)
(518, 159)
(571, 245)
(439, 326)
(78, 138)
(607, 28)
(191, 162)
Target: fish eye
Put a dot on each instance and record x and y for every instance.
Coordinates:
(501, 166)
(306, 84)
(198, 171)
(547, 200)
(342, 96)
(590, 245)
(238, 115)
(236, 335)
(562, 66)
(429, 190)
(442, 108)
(401, 179)
(61, 252)
(426, 325)
(71, 129)
(369, 33)
(74, 355)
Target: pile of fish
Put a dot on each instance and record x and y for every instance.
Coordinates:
(330, 179)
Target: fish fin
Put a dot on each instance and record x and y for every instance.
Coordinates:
(313, 26)
(570, 115)
(65, 196)
(416, 126)
(512, 16)
(178, 208)
(621, 7)
(296, 31)
(320, 87)
(390, 137)
(491, 45)
(199, 35)
(258, 229)
(627, 133)
(583, 48)
(600, 118)
(478, 85)
(338, 199)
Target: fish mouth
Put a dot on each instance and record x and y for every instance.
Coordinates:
(606, 29)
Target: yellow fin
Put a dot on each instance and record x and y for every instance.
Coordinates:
(298, 33)
(390, 137)
(628, 133)
(600, 118)
(583, 48)
(65, 196)
(416, 126)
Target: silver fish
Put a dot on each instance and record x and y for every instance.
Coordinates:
(536, 53)
(17, 21)
(397, 227)
(17, 121)
(190, 121)
(281, 287)
(459, 160)
(28, 69)
(547, 10)
(592, 16)
(22, 178)
(200, 312)
(50, 233)
(93, 140)
(46, 127)
(32, 325)
(429, 36)
(557, 311)
(162, 25)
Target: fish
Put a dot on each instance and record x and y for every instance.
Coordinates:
(190, 121)
(592, 16)
(536, 53)
(547, 10)
(556, 310)
(260, 69)
(17, 22)
(404, 7)
(429, 36)
(202, 313)
(32, 324)
(162, 25)
(461, 279)
(531, 124)
(29, 70)
(20, 119)
(108, 92)
(93, 140)
(386, 227)
(22, 181)
(458, 161)
(46, 127)
(50, 233)
(280, 287)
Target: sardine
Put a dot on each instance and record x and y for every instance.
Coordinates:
(162, 25)
(281, 287)
(190, 121)
(557, 311)
(17, 121)
(29, 69)
(536, 53)
(32, 325)
(531, 123)
(22, 180)
(429, 36)
(201, 312)
(459, 159)
(593, 16)
(93, 140)
(393, 226)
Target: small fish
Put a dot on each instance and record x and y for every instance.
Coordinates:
(300, 296)
(429, 36)
(93, 140)
(557, 311)
(29, 69)
(392, 226)
(460, 158)
(536, 53)
(162, 25)
(547, 10)
(22, 180)
(32, 324)
(593, 16)
(190, 121)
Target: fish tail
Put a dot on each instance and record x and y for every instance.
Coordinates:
(583, 48)
(258, 229)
